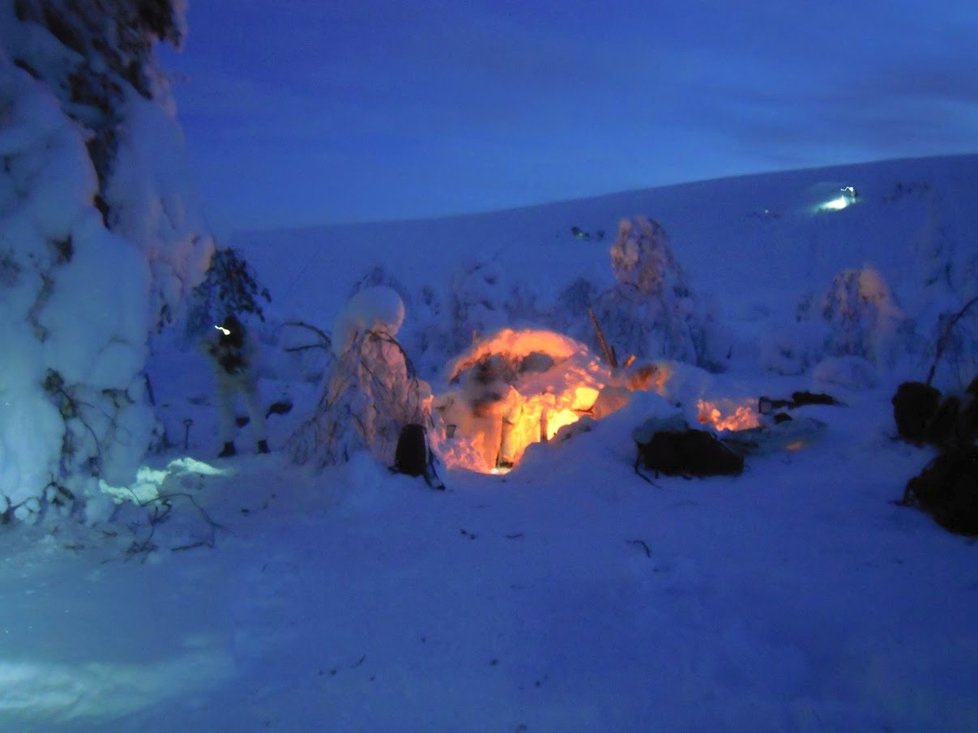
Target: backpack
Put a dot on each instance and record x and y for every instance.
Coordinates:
(947, 489)
(413, 456)
(688, 453)
(914, 405)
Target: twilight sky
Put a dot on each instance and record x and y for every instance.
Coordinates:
(306, 112)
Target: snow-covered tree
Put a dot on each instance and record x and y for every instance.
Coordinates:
(651, 311)
(230, 285)
(98, 243)
(864, 318)
(372, 391)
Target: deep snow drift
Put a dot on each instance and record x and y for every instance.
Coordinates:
(568, 594)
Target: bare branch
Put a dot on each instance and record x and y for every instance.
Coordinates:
(642, 544)
(945, 337)
(609, 353)
(324, 337)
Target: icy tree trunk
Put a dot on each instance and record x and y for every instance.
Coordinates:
(97, 243)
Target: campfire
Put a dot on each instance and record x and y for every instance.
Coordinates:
(728, 414)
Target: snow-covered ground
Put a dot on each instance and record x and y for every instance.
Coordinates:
(568, 595)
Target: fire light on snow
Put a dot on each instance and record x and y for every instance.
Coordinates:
(514, 388)
(728, 414)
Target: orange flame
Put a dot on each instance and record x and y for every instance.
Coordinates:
(516, 388)
(728, 414)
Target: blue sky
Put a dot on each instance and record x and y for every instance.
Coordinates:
(306, 112)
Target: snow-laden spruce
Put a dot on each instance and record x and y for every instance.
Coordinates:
(651, 311)
(372, 390)
(99, 242)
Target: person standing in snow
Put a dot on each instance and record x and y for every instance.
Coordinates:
(234, 355)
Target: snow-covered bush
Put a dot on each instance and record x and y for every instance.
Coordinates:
(865, 319)
(98, 241)
(429, 337)
(651, 311)
(479, 299)
(372, 391)
(792, 348)
(849, 372)
(477, 303)
(858, 320)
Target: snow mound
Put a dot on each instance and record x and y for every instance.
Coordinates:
(379, 309)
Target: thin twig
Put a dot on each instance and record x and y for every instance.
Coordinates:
(643, 544)
(945, 337)
(609, 353)
(326, 341)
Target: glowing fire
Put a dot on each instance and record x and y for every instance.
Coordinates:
(515, 388)
(728, 414)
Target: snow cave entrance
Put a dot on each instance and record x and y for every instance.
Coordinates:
(512, 389)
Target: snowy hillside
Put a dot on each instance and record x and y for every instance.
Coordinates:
(568, 594)
(757, 246)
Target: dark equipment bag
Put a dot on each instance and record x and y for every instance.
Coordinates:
(413, 456)
(914, 405)
(948, 490)
(688, 453)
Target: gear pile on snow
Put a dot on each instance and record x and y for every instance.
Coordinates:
(947, 488)
(669, 446)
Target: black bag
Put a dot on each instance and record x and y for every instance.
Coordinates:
(914, 406)
(413, 456)
(948, 490)
(688, 453)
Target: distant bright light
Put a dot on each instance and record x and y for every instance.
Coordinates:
(843, 201)
(836, 204)
(225, 331)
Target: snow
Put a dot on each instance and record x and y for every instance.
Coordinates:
(569, 594)
(153, 197)
(73, 310)
(87, 266)
(371, 309)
